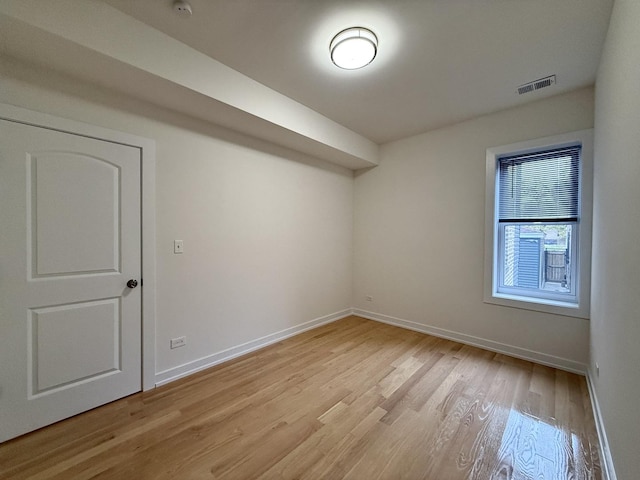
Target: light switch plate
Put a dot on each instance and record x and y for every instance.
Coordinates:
(178, 246)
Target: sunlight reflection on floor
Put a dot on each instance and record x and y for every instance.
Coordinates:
(536, 449)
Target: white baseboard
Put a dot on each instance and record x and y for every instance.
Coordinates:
(608, 471)
(523, 353)
(180, 371)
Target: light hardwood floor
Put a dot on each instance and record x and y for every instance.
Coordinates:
(354, 399)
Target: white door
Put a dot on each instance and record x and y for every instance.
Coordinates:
(70, 327)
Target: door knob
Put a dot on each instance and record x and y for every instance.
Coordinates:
(132, 283)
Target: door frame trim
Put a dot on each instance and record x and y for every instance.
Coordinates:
(147, 149)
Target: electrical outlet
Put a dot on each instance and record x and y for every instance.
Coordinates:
(178, 342)
(369, 298)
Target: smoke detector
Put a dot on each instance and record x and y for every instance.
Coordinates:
(537, 85)
(182, 8)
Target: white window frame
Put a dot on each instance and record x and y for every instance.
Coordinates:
(577, 306)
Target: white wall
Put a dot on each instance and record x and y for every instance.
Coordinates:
(419, 233)
(267, 232)
(615, 299)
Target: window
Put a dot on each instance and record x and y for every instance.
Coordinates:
(537, 197)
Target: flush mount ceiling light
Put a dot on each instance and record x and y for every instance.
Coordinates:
(354, 48)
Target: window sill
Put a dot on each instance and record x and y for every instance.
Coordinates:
(566, 309)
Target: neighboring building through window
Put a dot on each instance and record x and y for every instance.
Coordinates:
(536, 221)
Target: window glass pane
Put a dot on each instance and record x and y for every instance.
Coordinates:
(537, 257)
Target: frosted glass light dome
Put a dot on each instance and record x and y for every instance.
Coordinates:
(354, 48)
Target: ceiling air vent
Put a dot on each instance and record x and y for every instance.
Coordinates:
(537, 85)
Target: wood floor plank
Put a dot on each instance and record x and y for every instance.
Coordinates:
(354, 399)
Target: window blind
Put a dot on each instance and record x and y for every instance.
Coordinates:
(540, 187)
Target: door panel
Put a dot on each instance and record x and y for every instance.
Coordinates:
(75, 229)
(58, 359)
(71, 329)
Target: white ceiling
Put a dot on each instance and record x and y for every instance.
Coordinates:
(439, 61)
